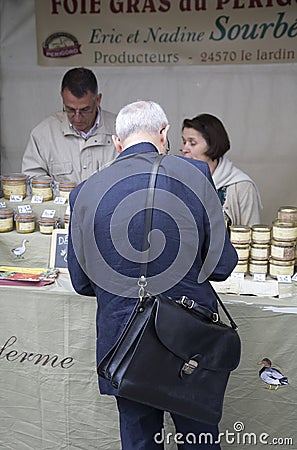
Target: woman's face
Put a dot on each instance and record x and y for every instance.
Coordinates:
(194, 145)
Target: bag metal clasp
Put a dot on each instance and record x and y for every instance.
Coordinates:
(187, 302)
(189, 367)
(215, 317)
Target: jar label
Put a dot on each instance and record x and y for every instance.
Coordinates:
(6, 224)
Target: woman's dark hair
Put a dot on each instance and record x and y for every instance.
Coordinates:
(80, 81)
(213, 132)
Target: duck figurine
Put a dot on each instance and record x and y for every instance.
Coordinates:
(19, 251)
(272, 376)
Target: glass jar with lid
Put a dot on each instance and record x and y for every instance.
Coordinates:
(285, 251)
(65, 188)
(25, 222)
(240, 234)
(261, 234)
(287, 214)
(14, 184)
(284, 231)
(6, 219)
(279, 268)
(42, 186)
(48, 224)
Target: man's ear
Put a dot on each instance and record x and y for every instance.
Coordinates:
(117, 143)
(163, 139)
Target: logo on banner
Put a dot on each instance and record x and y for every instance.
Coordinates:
(61, 45)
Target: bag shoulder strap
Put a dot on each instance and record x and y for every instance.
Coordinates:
(148, 225)
(149, 210)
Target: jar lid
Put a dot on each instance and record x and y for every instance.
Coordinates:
(6, 211)
(260, 227)
(14, 177)
(281, 224)
(283, 243)
(25, 216)
(260, 245)
(240, 228)
(43, 179)
(260, 262)
(48, 220)
(287, 209)
(282, 262)
(67, 185)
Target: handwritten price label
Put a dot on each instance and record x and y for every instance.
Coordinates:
(36, 199)
(16, 198)
(284, 278)
(49, 213)
(24, 209)
(60, 200)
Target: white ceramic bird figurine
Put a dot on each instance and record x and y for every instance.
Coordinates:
(272, 376)
(19, 251)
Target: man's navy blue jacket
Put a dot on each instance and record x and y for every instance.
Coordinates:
(190, 248)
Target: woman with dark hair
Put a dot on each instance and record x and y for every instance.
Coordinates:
(205, 138)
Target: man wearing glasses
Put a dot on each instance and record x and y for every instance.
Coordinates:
(72, 144)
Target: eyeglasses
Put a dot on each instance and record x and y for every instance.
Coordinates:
(71, 112)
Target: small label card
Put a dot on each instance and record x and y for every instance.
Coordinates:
(49, 213)
(284, 278)
(24, 209)
(36, 199)
(259, 277)
(16, 198)
(2, 205)
(237, 275)
(67, 212)
(60, 200)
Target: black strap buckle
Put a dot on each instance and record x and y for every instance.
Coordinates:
(187, 302)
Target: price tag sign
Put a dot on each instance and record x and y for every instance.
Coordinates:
(2, 205)
(36, 199)
(60, 200)
(49, 213)
(16, 198)
(284, 278)
(24, 209)
(237, 275)
(67, 212)
(259, 277)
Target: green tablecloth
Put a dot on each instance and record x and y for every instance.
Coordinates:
(58, 406)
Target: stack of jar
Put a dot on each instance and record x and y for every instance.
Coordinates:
(253, 248)
(260, 249)
(240, 238)
(283, 242)
(266, 250)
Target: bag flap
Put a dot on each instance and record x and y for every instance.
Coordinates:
(215, 345)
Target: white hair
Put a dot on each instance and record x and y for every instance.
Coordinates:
(140, 116)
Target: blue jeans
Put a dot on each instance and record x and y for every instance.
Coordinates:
(141, 428)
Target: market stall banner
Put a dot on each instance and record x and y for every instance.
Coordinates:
(165, 32)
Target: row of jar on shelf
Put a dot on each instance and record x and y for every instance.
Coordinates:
(27, 222)
(20, 185)
(269, 250)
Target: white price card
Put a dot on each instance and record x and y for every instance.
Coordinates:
(16, 198)
(60, 200)
(67, 212)
(284, 278)
(2, 205)
(294, 277)
(36, 199)
(237, 275)
(259, 277)
(50, 213)
(24, 209)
